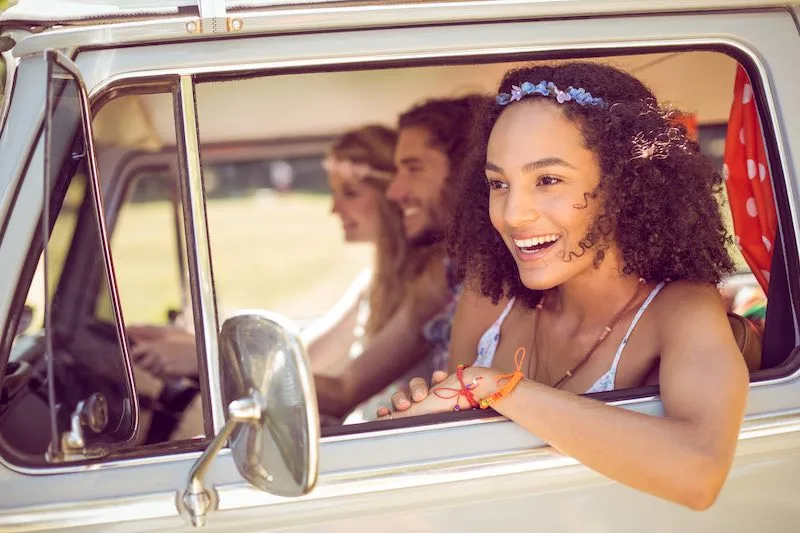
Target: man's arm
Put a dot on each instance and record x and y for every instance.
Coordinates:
(392, 351)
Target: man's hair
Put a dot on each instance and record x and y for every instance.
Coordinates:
(448, 121)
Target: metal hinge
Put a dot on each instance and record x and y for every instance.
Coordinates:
(214, 19)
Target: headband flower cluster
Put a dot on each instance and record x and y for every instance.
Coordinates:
(350, 170)
(549, 89)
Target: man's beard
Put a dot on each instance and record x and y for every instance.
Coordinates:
(428, 237)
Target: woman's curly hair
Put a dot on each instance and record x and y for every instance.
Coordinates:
(661, 211)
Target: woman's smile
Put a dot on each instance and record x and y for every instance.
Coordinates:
(536, 247)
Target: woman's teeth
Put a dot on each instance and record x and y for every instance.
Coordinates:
(534, 242)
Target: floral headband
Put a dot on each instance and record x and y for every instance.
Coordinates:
(351, 170)
(648, 146)
(549, 89)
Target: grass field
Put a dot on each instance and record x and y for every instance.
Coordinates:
(283, 253)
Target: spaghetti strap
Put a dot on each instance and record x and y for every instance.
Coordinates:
(505, 312)
(635, 321)
(487, 345)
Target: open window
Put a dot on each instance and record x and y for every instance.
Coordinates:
(273, 246)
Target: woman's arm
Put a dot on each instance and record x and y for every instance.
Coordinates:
(329, 352)
(683, 456)
(330, 338)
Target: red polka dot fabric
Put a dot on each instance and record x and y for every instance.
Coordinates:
(748, 182)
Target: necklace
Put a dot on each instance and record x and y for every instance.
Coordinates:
(609, 327)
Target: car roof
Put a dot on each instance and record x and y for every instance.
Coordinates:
(69, 12)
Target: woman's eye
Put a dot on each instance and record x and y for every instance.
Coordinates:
(496, 184)
(548, 180)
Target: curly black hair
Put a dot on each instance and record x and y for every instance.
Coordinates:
(661, 211)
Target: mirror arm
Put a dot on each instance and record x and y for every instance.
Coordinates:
(197, 499)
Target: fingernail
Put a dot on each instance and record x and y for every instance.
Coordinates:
(417, 395)
(403, 404)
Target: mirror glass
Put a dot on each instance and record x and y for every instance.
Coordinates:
(261, 356)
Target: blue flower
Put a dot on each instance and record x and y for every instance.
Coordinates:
(527, 87)
(541, 88)
(503, 99)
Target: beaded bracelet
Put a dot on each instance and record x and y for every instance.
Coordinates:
(513, 380)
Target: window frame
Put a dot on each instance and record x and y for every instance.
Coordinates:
(741, 52)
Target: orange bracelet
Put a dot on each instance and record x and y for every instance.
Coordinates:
(513, 380)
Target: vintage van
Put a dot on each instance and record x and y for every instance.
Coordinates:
(144, 151)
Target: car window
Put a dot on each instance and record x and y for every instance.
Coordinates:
(276, 246)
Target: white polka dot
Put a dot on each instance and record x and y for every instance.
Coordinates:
(747, 93)
(738, 241)
(752, 210)
(726, 172)
(741, 135)
(762, 172)
(751, 169)
(765, 273)
(767, 244)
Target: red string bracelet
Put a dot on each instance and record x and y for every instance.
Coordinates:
(513, 380)
(465, 390)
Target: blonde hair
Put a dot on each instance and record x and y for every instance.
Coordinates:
(373, 146)
(400, 272)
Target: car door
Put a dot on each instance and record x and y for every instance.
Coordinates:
(454, 471)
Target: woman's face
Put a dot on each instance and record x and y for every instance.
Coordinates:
(356, 203)
(539, 172)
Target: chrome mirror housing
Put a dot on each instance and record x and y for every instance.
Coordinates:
(273, 420)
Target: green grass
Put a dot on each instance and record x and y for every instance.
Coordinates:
(282, 253)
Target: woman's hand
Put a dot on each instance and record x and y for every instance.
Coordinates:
(169, 353)
(418, 391)
(444, 396)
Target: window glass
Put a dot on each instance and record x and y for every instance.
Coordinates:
(139, 165)
(147, 252)
(89, 380)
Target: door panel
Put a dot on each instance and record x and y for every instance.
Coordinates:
(480, 474)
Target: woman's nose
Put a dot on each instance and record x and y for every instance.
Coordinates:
(521, 209)
(335, 207)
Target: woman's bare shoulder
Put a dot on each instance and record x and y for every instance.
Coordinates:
(689, 311)
(686, 294)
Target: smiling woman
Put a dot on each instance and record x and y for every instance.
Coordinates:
(597, 215)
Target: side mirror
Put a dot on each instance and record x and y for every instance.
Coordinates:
(273, 420)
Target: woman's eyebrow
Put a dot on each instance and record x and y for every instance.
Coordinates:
(494, 168)
(546, 162)
(533, 165)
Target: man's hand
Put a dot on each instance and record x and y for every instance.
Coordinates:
(419, 390)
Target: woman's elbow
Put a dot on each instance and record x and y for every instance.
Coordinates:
(702, 489)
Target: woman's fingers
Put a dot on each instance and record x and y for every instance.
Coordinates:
(438, 377)
(418, 388)
(400, 401)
